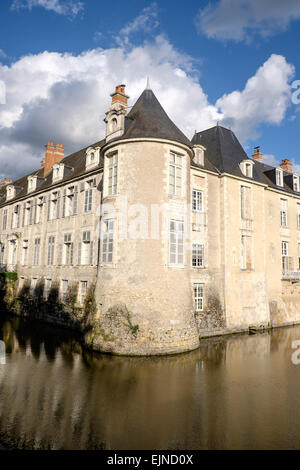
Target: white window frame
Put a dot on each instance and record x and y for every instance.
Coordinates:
(197, 255)
(176, 243)
(108, 237)
(36, 251)
(285, 256)
(198, 289)
(283, 213)
(197, 200)
(88, 196)
(298, 216)
(51, 250)
(112, 174)
(279, 177)
(175, 172)
(4, 219)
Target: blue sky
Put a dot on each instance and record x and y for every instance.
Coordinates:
(227, 60)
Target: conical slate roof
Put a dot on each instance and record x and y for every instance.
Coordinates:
(223, 149)
(147, 118)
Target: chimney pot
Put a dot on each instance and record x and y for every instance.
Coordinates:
(53, 154)
(286, 165)
(257, 155)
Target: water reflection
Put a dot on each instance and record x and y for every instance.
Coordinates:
(234, 392)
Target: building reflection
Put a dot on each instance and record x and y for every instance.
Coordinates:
(54, 395)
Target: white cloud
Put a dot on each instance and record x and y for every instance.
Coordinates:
(70, 8)
(240, 20)
(265, 98)
(2, 54)
(63, 97)
(146, 22)
(270, 159)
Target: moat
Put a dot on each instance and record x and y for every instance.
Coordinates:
(234, 392)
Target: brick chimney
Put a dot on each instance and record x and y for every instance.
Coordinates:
(286, 165)
(5, 182)
(53, 154)
(119, 99)
(257, 155)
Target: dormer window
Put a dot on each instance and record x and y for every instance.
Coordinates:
(279, 177)
(296, 183)
(32, 183)
(92, 157)
(58, 172)
(10, 192)
(247, 168)
(199, 155)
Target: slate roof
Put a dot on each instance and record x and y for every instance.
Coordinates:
(76, 161)
(225, 153)
(223, 149)
(147, 118)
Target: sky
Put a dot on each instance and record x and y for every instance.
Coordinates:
(232, 61)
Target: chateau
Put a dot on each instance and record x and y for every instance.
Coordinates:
(189, 237)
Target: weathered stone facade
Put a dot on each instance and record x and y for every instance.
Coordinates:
(178, 245)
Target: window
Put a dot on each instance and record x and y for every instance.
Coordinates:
(64, 285)
(10, 192)
(36, 253)
(68, 249)
(88, 195)
(285, 256)
(246, 252)
(2, 252)
(25, 253)
(246, 167)
(298, 216)
(298, 256)
(53, 208)
(112, 174)
(279, 177)
(51, 247)
(175, 174)
(176, 243)
(83, 291)
(86, 250)
(4, 220)
(33, 283)
(198, 297)
(39, 210)
(32, 182)
(28, 213)
(296, 183)
(48, 283)
(16, 217)
(283, 212)
(246, 209)
(108, 241)
(197, 255)
(12, 256)
(70, 201)
(197, 200)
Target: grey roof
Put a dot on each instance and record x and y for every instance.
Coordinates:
(223, 149)
(147, 118)
(76, 162)
(224, 152)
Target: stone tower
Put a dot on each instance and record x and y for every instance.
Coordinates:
(146, 298)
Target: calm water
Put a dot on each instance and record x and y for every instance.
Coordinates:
(234, 392)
